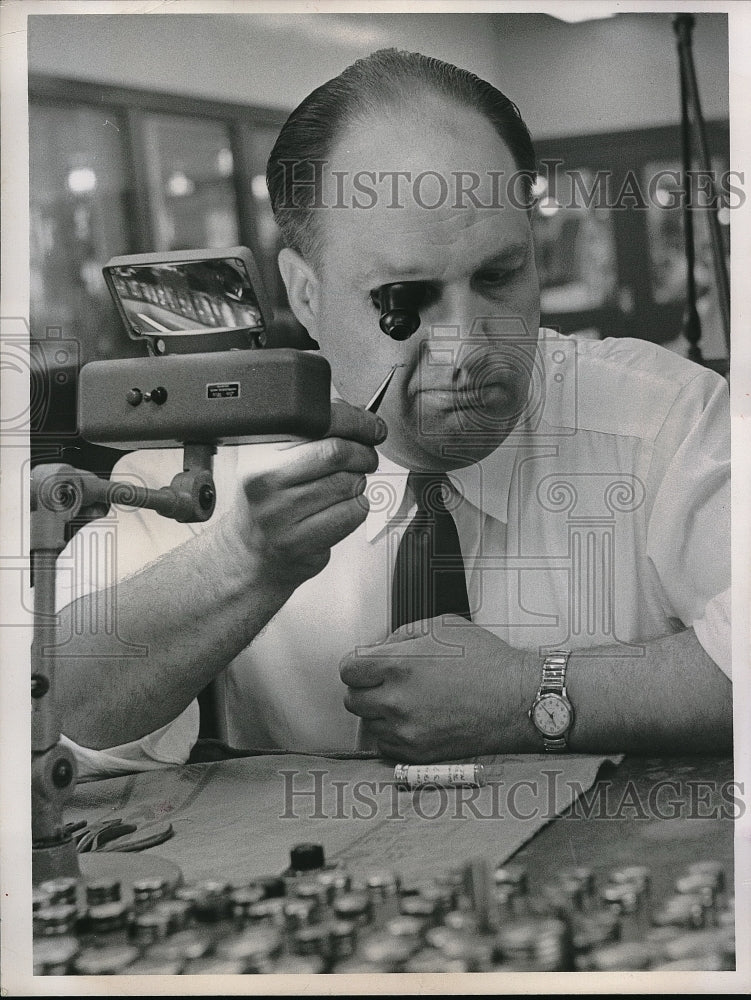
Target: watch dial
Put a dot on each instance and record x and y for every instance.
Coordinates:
(551, 715)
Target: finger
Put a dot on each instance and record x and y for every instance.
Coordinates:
(308, 462)
(298, 503)
(356, 424)
(362, 672)
(328, 527)
(365, 703)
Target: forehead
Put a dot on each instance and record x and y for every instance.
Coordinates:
(431, 183)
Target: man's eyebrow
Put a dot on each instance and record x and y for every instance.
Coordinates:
(385, 269)
(512, 254)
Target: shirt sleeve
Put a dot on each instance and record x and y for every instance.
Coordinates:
(164, 747)
(688, 534)
(98, 556)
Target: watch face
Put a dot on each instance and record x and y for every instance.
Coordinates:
(551, 715)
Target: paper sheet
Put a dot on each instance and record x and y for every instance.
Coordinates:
(238, 819)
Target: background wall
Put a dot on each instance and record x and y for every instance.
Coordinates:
(607, 75)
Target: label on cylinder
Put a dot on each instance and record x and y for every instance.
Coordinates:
(439, 775)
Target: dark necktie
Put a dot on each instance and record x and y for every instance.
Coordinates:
(428, 575)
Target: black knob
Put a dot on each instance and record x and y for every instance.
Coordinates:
(40, 685)
(62, 773)
(159, 395)
(133, 396)
(306, 857)
(399, 324)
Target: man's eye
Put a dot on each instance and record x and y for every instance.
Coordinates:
(494, 277)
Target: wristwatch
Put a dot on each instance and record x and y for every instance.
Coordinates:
(552, 714)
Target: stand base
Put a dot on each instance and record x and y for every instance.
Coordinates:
(58, 861)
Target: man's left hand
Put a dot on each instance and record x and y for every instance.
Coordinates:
(457, 691)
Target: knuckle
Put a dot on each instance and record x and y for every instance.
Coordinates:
(332, 451)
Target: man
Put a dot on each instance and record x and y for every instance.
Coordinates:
(587, 484)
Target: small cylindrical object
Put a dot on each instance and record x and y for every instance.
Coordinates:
(306, 858)
(106, 890)
(595, 929)
(622, 896)
(53, 956)
(147, 891)
(686, 911)
(537, 944)
(386, 952)
(241, 900)
(710, 869)
(626, 956)
(299, 912)
(273, 886)
(149, 927)
(410, 928)
(439, 775)
(696, 883)
(254, 949)
(61, 890)
(189, 945)
(40, 899)
(426, 908)
(382, 887)
(512, 874)
(638, 875)
(314, 939)
(55, 920)
(269, 911)
(335, 881)
(343, 938)
(585, 877)
(108, 961)
(473, 950)
(212, 902)
(353, 906)
(311, 889)
(461, 920)
(177, 912)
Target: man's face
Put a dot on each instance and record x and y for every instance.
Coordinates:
(466, 371)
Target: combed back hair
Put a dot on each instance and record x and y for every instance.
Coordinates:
(390, 79)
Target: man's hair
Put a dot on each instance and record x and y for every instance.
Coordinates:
(387, 78)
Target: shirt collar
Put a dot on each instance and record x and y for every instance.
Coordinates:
(485, 484)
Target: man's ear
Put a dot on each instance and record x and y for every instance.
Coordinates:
(302, 288)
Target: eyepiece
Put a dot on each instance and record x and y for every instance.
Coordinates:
(400, 308)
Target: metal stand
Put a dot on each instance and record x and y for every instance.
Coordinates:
(683, 25)
(58, 494)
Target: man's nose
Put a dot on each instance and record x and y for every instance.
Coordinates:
(459, 313)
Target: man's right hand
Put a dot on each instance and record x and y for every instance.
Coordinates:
(307, 497)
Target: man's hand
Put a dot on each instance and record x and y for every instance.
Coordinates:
(308, 497)
(456, 692)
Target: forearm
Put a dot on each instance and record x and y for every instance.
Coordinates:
(178, 624)
(671, 698)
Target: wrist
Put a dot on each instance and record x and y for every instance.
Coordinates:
(529, 683)
(243, 569)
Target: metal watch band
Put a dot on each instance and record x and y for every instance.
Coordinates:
(554, 671)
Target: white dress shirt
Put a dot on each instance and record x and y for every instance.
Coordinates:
(603, 520)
